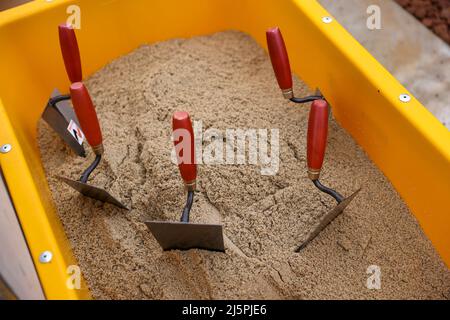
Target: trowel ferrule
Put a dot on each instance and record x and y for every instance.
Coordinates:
(191, 185)
(99, 149)
(313, 174)
(288, 93)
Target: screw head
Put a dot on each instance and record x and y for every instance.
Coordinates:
(405, 97)
(46, 257)
(327, 20)
(5, 148)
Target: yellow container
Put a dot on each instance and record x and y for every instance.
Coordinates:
(404, 140)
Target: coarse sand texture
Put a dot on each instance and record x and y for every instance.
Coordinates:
(225, 80)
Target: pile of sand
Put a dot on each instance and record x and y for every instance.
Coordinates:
(226, 81)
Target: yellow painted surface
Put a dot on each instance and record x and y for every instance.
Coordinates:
(405, 141)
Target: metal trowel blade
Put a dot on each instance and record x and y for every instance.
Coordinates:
(58, 118)
(93, 192)
(185, 236)
(328, 218)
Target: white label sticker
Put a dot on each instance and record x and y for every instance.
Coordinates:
(76, 132)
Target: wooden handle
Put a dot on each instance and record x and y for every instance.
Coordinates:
(85, 111)
(280, 59)
(70, 52)
(184, 146)
(317, 137)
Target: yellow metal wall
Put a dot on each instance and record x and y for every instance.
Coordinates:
(406, 142)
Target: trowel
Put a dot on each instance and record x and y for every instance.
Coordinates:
(316, 145)
(282, 68)
(184, 235)
(317, 127)
(85, 111)
(58, 113)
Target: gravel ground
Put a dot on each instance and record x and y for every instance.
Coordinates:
(435, 14)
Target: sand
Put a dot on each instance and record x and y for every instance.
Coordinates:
(226, 81)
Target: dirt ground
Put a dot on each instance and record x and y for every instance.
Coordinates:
(226, 81)
(435, 14)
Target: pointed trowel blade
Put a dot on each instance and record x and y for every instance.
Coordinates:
(59, 118)
(93, 192)
(185, 236)
(328, 218)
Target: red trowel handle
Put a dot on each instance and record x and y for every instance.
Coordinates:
(70, 52)
(184, 146)
(317, 137)
(85, 111)
(280, 61)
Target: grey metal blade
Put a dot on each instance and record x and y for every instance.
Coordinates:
(58, 118)
(328, 218)
(185, 236)
(93, 192)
